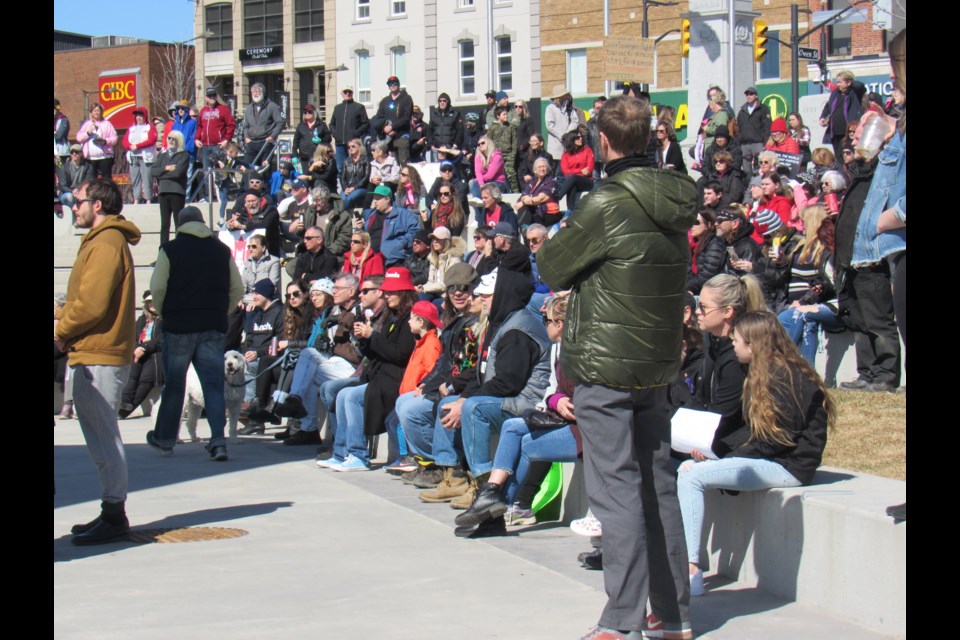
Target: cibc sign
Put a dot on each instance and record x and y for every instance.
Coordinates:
(118, 95)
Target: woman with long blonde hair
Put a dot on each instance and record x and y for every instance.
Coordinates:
(323, 167)
(488, 168)
(361, 260)
(787, 411)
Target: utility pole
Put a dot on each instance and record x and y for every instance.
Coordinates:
(645, 25)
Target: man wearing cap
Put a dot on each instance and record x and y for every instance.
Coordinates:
(736, 232)
(73, 173)
(195, 284)
(417, 264)
(512, 373)
(292, 223)
(140, 141)
(508, 252)
(262, 123)
(754, 122)
(215, 127)
(486, 115)
(95, 328)
(185, 124)
(625, 255)
(392, 120)
(314, 261)
(349, 121)
(257, 213)
(391, 228)
(500, 99)
(559, 118)
(445, 129)
(536, 236)
(263, 323)
(309, 133)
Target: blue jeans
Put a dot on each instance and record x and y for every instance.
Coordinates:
(251, 389)
(519, 446)
(205, 350)
(350, 439)
(328, 396)
(416, 416)
(67, 199)
(355, 199)
(341, 156)
(804, 328)
(480, 418)
(737, 474)
(313, 369)
(447, 443)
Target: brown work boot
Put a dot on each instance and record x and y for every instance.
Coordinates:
(466, 499)
(454, 483)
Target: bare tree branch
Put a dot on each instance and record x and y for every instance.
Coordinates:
(174, 79)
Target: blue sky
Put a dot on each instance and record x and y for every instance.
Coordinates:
(160, 20)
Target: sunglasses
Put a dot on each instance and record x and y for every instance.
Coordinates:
(534, 240)
(366, 291)
(459, 288)
(294, 295)
(356, 241)
(311, 237)
(445, 193)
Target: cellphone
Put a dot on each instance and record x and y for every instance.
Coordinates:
(357, 216)
(732, 253)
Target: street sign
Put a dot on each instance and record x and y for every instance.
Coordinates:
(806, 53)
(628, 58)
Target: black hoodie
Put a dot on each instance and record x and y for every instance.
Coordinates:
(518, 353)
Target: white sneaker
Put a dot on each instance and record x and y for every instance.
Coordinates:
(474, 201)
(333, 462)
(589, 527)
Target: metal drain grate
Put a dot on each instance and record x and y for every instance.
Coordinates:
(185, 534)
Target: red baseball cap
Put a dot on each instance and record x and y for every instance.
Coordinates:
(427, 311)
(397, 279)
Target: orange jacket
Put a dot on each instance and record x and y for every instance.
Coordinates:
(424, 356)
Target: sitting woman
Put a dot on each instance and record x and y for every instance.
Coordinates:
(446, 211)
(260, 265)
(362, 410)
(411, 191)
(833, 186)
(709, 251)
(362, 261)
(538, 201)
(727, 174)
(445, 251)
(801, 134)
(355, 177)
(534, 151)
(555, 439)
(488, 168)
(147, 369)
(323, 168)
(787, 412)
(669, 154)
(576, 164)
(494, 210)
(384, 168)
(813, 301)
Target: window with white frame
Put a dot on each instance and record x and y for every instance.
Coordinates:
(363, 76)
(504, 64)
(577, 71)
(468, 74)
(398, 7)
(465, 4)
(363, 10)
(398, 62)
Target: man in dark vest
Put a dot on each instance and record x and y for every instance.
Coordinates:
(195, 285)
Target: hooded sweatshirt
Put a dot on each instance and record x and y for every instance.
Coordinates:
(98, 323)
(141, 139)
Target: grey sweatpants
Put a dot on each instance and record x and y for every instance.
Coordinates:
(96, 397)
(633, 492)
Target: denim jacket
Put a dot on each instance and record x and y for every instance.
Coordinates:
(888, 190)
(399, 227)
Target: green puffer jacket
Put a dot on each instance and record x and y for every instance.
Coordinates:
(624, 255)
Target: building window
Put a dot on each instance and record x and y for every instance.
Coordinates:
(363, 76)
(398, 7)
(468, 76)
(504, 64)
(308, 21)
(839, 40)
(769, 69)
(577, 71)
(398, 63)
(363, 9)
(465, 4)
(219, 19)
(262, 23)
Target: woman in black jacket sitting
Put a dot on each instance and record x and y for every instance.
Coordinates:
(709, 251)
(669, 155)
(147, 369)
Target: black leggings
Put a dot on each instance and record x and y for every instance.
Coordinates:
(103, 168)
(573, 186)
(900, 296)
(141, 381)
(276, 376)
(170, 206)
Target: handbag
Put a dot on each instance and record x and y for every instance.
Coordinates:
(548, 419)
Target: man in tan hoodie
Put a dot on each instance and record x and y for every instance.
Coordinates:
(96, 328)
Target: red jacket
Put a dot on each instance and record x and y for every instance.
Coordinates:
(790, 145)
(373, 266)
(574, 163)
(781, 206)
(214, 125)
(425, 355)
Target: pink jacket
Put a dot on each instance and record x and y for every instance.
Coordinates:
(495, 171)
(91, 130)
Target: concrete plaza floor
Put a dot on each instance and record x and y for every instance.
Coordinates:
(345, 555)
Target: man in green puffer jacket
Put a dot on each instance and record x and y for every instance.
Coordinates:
(624, 254)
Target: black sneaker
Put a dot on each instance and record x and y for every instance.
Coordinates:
(855, 385)
(252, 429)
(153, 442)
(292, 407)
(303, 437)
(218, 453)
(103, 532)
(83, 528)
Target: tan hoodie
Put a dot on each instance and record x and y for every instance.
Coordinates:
(98, 322)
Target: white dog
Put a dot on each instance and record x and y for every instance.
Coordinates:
(234, 370)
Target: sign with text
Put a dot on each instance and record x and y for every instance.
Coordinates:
(790, 161)
(807, 53)
(628, 58)
(118, 95)
(261, 53)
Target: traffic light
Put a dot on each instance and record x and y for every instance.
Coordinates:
(759, 40)
(684, 38)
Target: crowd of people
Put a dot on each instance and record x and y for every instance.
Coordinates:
(560, 331)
